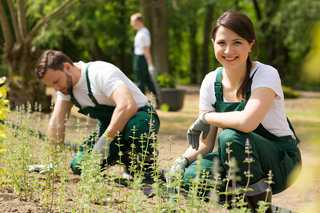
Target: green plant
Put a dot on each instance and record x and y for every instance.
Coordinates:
(166, 81)
(103, 191)
(3, 114)
(289, 93)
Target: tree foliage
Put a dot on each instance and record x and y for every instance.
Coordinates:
(20, 25)
(100, 30)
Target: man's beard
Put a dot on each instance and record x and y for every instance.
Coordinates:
(69, 87)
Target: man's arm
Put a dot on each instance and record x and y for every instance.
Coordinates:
(125, 109)
(147, 55)
(57, 122)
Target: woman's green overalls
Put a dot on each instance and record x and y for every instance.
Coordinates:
(141, 122)
(141, 74)
(278, 154)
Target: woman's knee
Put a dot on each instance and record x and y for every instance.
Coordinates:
(231, 139)
(228, 135)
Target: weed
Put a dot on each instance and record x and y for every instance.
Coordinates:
(103, 191)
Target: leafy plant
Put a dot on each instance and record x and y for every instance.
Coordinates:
(99, 191)
(166, 81)
(3, 114)
(289, 93)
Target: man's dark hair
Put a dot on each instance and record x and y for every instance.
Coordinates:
(51, 59)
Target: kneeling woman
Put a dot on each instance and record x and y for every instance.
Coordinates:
(246, 100)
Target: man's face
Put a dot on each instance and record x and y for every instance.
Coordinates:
(60, 80)
(133, 22)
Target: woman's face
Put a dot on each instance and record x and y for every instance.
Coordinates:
(231, 50)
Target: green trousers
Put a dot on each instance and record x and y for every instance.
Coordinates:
(281, 156)
(141, 74)
(139, 122)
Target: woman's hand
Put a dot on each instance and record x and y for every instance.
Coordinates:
(193, 133)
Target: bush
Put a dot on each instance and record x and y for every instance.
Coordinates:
(166, 81)
(289, 93)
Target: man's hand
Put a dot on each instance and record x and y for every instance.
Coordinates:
(152, 70)
(42, 169)
(102, 147)
(193, 133)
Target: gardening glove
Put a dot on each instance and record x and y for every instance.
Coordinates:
(42, 169)
(179, 165)
(102, 147)
(153, 71)
(193, 133)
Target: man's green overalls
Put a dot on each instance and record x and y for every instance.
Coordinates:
(141, 74)
(279, 154)
(141, 121)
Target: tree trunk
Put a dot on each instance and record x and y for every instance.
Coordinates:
(156, 20)
(193, 48)
(20, 56)
(204, 66)
(23, 85)
(123, 45)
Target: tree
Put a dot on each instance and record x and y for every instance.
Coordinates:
(156, 20)
(204, 65)
(20, 50)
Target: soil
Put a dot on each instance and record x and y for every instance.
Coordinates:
(302, 196)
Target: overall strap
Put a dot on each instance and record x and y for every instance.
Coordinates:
(89, 87)
(74, 101)
(294, 133)
(218, 85)
(248, 94)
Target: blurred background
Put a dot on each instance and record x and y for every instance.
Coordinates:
(180, 30)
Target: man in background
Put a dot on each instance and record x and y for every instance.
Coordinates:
(142, 60)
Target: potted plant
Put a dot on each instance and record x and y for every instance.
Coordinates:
(170, 96)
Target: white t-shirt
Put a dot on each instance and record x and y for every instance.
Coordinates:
(275, 120)
(104, 79)
(141, 40)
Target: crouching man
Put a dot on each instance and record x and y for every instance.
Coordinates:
(100, 90)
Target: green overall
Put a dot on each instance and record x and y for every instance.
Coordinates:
(104, 113)
(141, 74)
(269, 152)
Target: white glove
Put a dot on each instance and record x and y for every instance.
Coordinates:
(193, 133)
(179, 165)
(152, 70)
(102, 147)
(42, 169)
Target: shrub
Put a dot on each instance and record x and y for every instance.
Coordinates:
(166, 81)
(289, 93)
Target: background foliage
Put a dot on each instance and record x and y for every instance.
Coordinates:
(100, 30)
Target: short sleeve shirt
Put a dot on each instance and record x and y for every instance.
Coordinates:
(275, 120)
(141, 40)
(104, 79)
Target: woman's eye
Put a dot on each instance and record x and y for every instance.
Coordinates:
(237, 42)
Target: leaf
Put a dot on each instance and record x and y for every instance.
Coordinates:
(2, 134)
(2, 150)
(2, 172)
(4, 101)
(3, 92)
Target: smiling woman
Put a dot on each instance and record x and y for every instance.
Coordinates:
(246, 101)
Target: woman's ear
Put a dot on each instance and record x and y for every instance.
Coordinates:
(252, 43)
